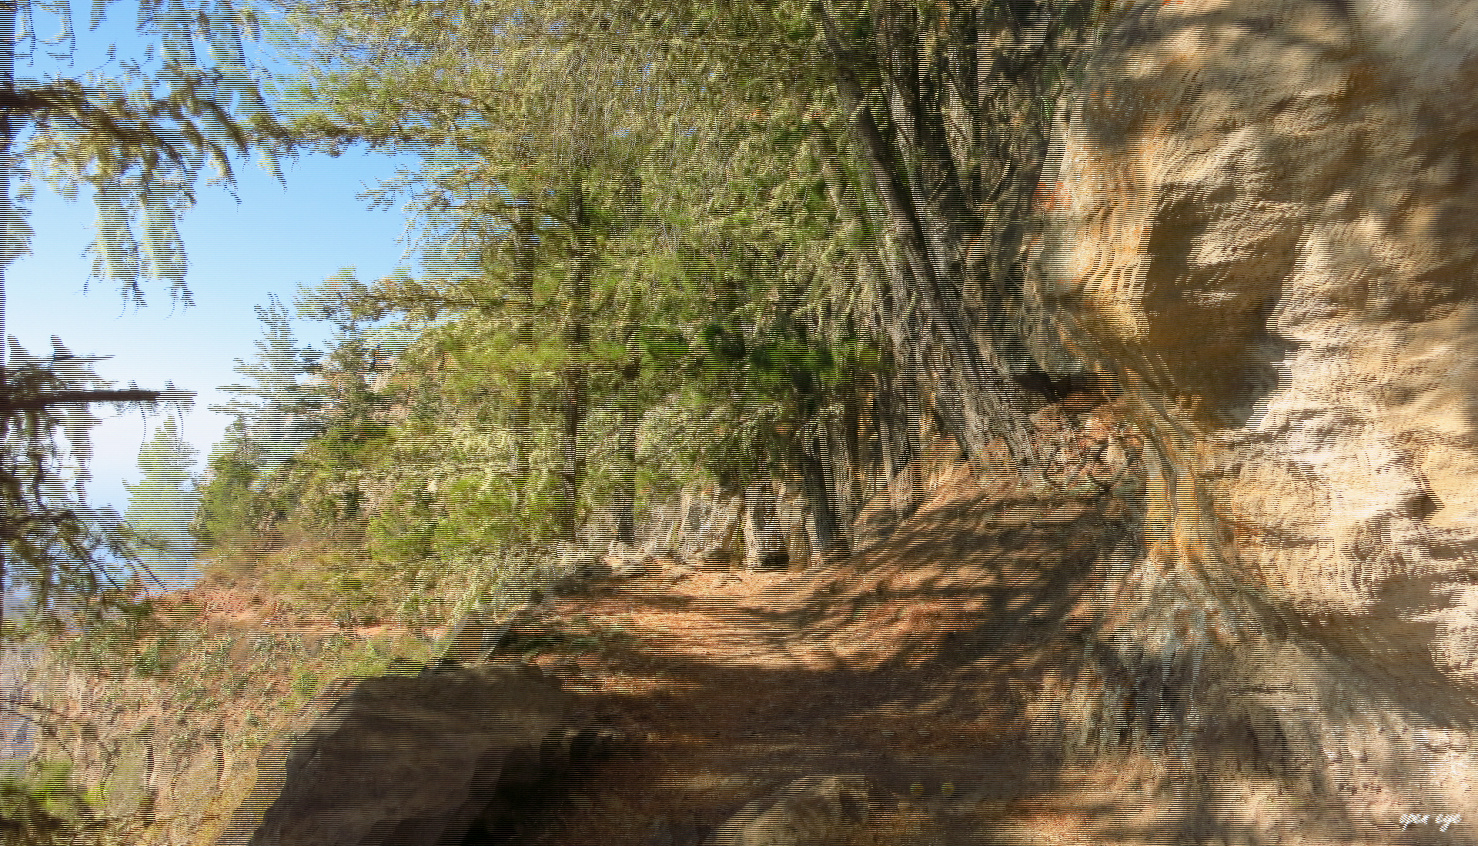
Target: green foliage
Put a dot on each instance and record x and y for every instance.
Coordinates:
(140, 133)
(655, 246)
(278, 408)
(44, 808)
(70, 564)
(303, 427)
(569, 275)
(229, 506)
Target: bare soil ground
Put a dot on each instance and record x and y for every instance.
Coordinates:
(910, 663)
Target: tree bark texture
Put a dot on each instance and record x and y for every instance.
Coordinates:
(942, 111)
(624, 498)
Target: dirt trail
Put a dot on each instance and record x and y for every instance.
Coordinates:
(910, 663)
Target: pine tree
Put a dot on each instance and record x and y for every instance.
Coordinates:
(279, 407)
(163, 503)
(526, 225)
(61, 556)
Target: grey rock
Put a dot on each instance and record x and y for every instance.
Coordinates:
(778, 560)
(572, 557)
(623, 552)
(634, 569)
(410, 761)
(662, 833)
(762, 533)
(581, 578)
(811, 811)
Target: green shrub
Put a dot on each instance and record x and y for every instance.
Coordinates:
(44, 808)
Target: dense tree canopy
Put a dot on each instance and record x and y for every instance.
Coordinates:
(726, 237)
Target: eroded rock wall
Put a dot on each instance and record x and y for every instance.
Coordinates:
(1265, 225)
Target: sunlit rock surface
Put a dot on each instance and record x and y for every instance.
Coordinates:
(1266, 211)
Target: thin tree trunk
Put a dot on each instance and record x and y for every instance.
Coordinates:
(8, 14)
(631, 212)
(836, 464)
(813, 477)
(576, 375)
(625, 494)
(523, 383)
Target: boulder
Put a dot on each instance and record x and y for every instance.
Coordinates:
(632, 570)
(573, 557)
(718, 536)
(811, 811)
(658, 528)
(582, 579)
(793, 518)
(764, 539)
(408, 761)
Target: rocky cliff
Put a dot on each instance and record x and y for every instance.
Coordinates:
(1265, 229)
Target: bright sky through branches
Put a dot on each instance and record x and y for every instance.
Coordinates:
(273, 241)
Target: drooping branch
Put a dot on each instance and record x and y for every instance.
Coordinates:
(33, 402)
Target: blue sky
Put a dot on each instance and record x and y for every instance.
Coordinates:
(270, 242)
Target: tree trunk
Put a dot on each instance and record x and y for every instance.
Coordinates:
(625, 495)
(837, 460)
(894, 411)
(958, 241)
(523, 389)
(818, 494)
(7, 232)
(630, 211)
(576, 374)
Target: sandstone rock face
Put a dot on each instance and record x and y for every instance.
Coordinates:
(1268, 218)
(406, 760)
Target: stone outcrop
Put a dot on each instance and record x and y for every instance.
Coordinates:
(766, 534)
(767, 525)
(773, 525)
(1266, 231)
(412, 760)
(1270, 210)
